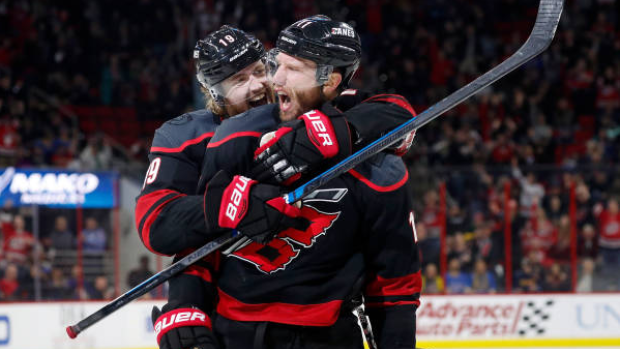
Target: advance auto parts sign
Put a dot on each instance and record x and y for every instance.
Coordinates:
(59, 189)
(501, 317)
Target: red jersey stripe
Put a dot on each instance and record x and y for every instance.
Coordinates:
(390, 304)
(399, 286)
(182, 146)
(234, 135)
(199, 271)
(321, 314)
(396, 99)
(145, 205)
(379, 188)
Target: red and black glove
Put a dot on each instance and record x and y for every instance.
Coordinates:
(256, 210)
(300, 146)
(182, 326)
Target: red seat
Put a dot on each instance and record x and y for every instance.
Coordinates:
(586, 122)
(583, 136)
(88, 125)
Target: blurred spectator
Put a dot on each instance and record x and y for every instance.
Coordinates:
(462, 251)
(531, 192)
(18, 243)
(431, 216)
(9, 283)
(57, 288)
(100, 289)
(94, 237)
(484, 247)
(457, 220)
(556, 279)
(432, 283)
(9, 140)
(585, 204)
(482, 280)
(555, 209)
(587, 243)
(609, 240)
(75, 281)
(560, 251)
(588, 280)
(141, 273)
(97, 155)
(537, 236)
(429, 249)
(62, 238)
(527, 279)
(457, 281)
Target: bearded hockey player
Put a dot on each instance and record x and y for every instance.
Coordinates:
(294, 287)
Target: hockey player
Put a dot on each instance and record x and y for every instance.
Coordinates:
(295, 290)
(169, 215)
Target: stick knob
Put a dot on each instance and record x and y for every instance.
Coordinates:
(71, 332)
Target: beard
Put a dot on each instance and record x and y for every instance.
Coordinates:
(250, 101)
(301, 102)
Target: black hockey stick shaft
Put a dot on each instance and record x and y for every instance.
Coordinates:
(150, 283)
(549, 12)
(547, 20)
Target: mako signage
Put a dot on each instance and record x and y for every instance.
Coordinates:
(60, 189)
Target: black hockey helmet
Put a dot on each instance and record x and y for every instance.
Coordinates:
(324, 41)
(223, 53)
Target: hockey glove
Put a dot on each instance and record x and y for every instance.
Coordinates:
(256, 210)
(300, 146)
(181, 326)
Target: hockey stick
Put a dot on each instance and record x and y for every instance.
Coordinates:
(150, 283)
(547, 20)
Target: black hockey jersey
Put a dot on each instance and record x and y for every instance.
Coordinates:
(362, 227)
(169, 214)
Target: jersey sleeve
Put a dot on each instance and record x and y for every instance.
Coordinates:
(376, 116)
(169, 215)
(393, 280)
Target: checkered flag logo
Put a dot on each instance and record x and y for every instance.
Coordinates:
(534, 318)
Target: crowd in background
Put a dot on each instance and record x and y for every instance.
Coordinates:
(550, 126)
(44, 264)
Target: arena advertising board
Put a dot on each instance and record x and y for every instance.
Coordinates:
(42, 326)
(519, 320)
(60, 189)
(488, 321)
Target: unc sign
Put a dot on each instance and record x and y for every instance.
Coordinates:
(598, 316)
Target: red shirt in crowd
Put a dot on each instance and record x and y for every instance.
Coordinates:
(609, 226)
(17, 246)
(8, 287)
(539, 236)
(431, 217)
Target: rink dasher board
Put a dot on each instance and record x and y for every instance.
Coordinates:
(475, 321)
(42, 326)
(505, 321)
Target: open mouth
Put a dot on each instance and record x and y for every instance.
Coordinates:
(284, 100)
(258, 100)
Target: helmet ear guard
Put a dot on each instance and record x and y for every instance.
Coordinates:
(322, 73)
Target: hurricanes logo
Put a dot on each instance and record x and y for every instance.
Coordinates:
(287, 245)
